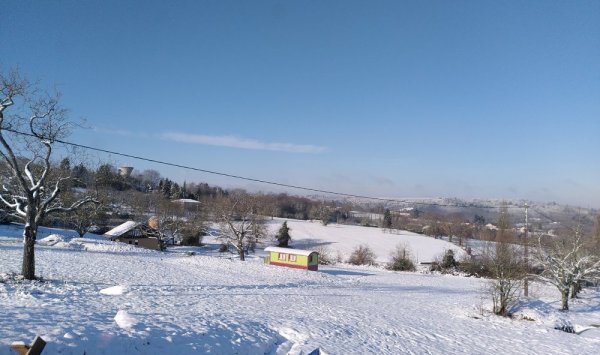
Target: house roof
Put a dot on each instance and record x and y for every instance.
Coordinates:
(290, 251)
(122, 229)
(186, 200)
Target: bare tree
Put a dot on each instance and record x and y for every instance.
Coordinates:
(504, 232)
(566, 262)
(150, 179)
(83, 218)
(506, 268)
(31, 188)
(456, 226)
(173, 220)
(242, 226)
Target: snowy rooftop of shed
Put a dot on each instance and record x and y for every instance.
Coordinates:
(122, 229)
(186, 200)
(290, 251)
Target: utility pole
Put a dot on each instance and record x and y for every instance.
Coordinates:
(526, 252)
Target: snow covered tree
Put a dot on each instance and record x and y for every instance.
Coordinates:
(566, 262)
(283, 236)
(31, 185)
(242, 227)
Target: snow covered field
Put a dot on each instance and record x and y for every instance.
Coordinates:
(344, 238)
(110, 298)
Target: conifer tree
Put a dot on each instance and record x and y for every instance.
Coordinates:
(387, 219)
(283, 236)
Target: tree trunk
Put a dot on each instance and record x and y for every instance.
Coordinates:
(564, 300)
(575, 289)
(28, 269)
(242, 254)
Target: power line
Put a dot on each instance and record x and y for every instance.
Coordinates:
(239, 177)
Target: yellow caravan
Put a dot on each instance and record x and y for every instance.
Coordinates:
(295, 258)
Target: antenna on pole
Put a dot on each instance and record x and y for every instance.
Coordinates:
(526, 255)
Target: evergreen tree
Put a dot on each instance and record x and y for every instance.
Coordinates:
(283, 236)
(175, 191)
(166, 188)
(65, 165)
(387, 219)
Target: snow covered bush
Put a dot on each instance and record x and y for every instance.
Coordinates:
(362, 255)
(401, 259)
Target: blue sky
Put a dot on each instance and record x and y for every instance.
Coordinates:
(474, 99)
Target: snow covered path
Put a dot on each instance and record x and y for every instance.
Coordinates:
(108, 298)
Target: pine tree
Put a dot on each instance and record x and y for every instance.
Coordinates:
(283, 236)
(166, 188)
(387, 219)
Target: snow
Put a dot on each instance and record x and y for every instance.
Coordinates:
(114, 291)
(187, 200)
(289, 251)
(124, 320)
(121, 229)
(112, 298)
(345, 238)
(53, 239)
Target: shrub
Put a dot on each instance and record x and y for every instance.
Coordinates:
(362, 255)
(474, 267)
(444, 263)
(401, 260)
(191, 240)
(325, 257)
(448, 260)
(191, 237)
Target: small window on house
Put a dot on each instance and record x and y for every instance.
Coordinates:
(129, 242)
(282, 256)
(292, 257)
(136, 242)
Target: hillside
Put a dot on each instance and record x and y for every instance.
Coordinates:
(344, 238)
(101, 297)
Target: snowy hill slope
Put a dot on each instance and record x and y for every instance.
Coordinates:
(101, 297)
(344, 238)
